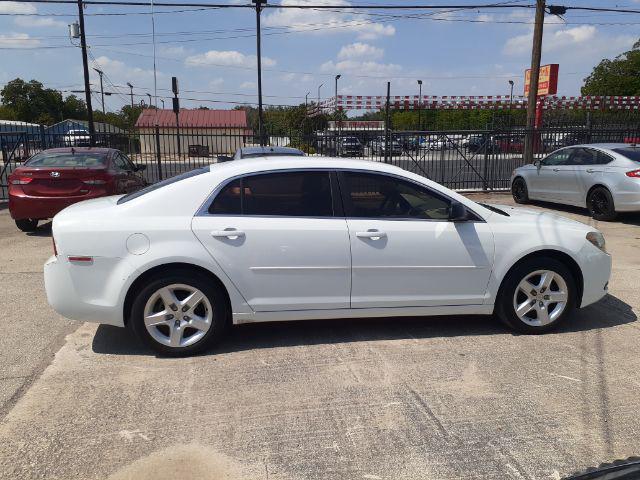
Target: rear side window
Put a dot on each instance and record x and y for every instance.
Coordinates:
(163, 183)
(291, 194)
(630, 153)
(67, 159)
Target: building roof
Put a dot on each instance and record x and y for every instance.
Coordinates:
(150, 117)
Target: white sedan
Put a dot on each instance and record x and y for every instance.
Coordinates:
(285, 239)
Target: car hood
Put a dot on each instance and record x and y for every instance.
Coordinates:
(530, 215)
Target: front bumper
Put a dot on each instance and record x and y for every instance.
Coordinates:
(89, 292)
(596, 272)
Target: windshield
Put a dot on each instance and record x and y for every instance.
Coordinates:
(68, 159)
(631, 153)
(163, 183)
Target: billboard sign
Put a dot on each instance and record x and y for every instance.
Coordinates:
(547, 81)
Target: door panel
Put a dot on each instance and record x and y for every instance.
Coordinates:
(404, 250)
(543, 183)
(276, 237)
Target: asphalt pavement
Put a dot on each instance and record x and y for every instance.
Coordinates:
(432, 398)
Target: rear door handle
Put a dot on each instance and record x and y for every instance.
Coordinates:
(556, 169)
(591, 170)
(231, 233)
(372, 234)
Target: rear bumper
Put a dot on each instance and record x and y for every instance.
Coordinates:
(26, 206)
(627, 196)
(596, 272)
(91, 292)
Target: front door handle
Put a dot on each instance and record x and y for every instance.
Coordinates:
(556, 169)
(591, 170)
(231, 233)
(372, 234)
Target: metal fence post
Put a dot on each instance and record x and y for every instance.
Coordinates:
(43, 138)
(158, 153)
(485, 185)
(387, 145)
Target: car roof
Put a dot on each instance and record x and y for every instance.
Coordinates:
(262, 164)
(604, 146)
(271, 150)
(102, 150)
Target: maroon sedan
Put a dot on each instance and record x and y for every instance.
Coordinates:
(54, 179)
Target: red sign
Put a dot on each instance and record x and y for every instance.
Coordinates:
(547, 80)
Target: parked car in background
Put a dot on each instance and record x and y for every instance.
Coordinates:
(279, 239)
(378, 146)
(53, 179)
(76, 138)
(483, 143)
(605, 178)
(260, 152)
(440, 143)
(349, 147)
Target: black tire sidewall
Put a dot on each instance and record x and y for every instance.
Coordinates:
(525, 198)
(27, 224)
(205, 285)
(505, 308)
(611, 213)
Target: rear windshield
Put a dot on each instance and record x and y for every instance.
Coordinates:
(68, 159)
(630, 153)
(163, 183)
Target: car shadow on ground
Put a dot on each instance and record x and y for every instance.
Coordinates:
(627, 218)
(609, 312)
(43, 230)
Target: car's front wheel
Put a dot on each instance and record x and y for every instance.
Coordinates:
(519, 190)
(537, 295)
(27, 224)
(180, 313)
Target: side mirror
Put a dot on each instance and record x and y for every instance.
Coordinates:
(139, 167)
(458, 212)
(224, 158)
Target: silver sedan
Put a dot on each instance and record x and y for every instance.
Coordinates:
(605, 178)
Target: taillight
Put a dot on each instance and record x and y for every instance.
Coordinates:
(20, 180)
(634, 174)
(94, 181)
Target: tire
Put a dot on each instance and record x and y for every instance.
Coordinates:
(519, 190)
(600, 204)
(203, 322)
(540, 298)
(27, 224)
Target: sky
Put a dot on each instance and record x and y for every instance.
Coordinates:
(212, 51)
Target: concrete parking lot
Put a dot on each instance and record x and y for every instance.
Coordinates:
(402, 398)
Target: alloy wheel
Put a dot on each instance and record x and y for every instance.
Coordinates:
(178, 315)
(540, 298)
(599, 203)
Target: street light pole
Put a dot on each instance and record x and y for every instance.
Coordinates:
(149, 95)
(419, 104)
(85, 67)
(306, 99)
(131, 90)
(510, 104)
(101, 73)
(319, 87)
(336, 92)
(258, 4)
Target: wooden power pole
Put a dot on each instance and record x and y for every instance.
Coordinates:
(532, 100)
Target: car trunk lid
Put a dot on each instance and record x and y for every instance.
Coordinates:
(57, 181)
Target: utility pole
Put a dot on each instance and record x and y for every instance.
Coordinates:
(258, 4)
(85, 67)
(532, 101)
(419, 105)
(131, 90)
(101, 73)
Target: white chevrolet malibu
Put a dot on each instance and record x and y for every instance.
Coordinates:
(292, 239)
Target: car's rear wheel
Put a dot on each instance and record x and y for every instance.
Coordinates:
(519, 190)
(601, 205)
(180, 313)
(27, 224)
(537, 295)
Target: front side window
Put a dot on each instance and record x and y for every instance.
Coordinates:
(291, 194)
(379, 196)
(558, 158)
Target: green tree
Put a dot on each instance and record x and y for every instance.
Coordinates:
(31, 102)
(620, 76)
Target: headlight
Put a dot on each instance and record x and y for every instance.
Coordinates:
(597, 239)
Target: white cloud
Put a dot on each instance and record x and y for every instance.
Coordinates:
(230, 58)
(554, 39)
(216, 82)
(322, 22)
(18, 40)
(361, 67)
(360, 50)
(173, 51)
(248, 85)
(17, 7)
(38, 22)
(120, 73)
